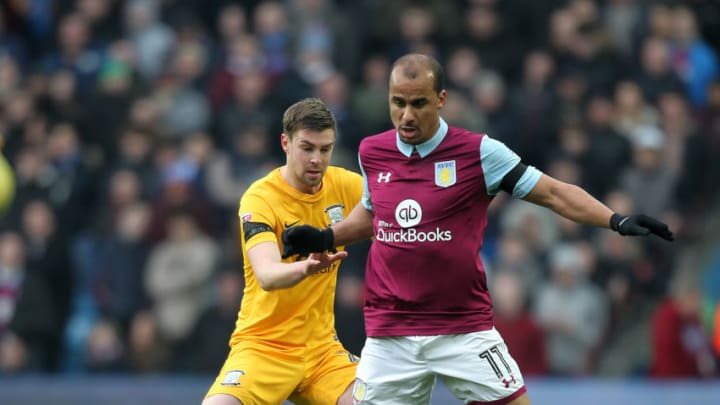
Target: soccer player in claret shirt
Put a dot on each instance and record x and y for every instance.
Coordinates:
(284, 345)
(427, 187)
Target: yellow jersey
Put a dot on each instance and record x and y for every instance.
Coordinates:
(301, 316)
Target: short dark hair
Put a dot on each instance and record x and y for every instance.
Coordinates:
(308, 113)
(412, 63)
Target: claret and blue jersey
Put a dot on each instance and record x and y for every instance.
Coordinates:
(424, 274)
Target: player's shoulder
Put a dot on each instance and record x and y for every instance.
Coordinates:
(344, 183)
(340, 174)
(272, 180)
(465, 133)
(377, 146)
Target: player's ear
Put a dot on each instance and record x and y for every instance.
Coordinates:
(284, 142)
(441, 98)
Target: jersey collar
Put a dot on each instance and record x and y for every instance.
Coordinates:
(426, 147)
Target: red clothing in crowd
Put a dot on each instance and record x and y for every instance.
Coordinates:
(526, 343)
(677, 343)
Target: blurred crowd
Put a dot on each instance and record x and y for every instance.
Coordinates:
(134, 127)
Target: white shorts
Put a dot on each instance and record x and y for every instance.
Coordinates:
(402, 370)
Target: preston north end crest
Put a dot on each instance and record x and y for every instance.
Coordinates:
(335, 213)
(445, 175)
(232, 377)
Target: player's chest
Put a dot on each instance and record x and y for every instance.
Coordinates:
(436, 183)
(328, 211)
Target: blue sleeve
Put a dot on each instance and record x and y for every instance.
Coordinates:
(497, 160)
(365, 200)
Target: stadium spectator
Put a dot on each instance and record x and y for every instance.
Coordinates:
(46, 257)
(31, 174)
(522, 334)
(679, 347)
(246, 109)
(692, 58)
(151, 38)
(368, 96)
(147, 353)
(533, 98)
(179, 178)
(29, 323)
(207, 346)
(609, 152)
(334, 92)
(649, 174)
(517, 257)
(135, 147)
(75, 52)
(463, 67)
(655, 74)
(231, 170)
(72, 187)
(572, 312)
(106, 108)
(241, 57)
(623, 19)
(490, 36)
(104, 349)
(177, 278)
(632, 109)
(270, 19)
(122, 257)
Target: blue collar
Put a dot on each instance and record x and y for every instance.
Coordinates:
(426, 147)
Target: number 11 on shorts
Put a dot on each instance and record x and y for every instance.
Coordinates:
(488, 356)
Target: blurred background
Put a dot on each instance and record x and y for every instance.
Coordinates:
(133, 127)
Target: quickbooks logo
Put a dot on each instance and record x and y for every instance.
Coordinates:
(413, 235)
(408, 213)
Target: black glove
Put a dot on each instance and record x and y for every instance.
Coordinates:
(305, 239)
(639, 225)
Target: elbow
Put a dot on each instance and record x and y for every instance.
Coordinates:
(275, 283)
(369, 232)
(267, 285)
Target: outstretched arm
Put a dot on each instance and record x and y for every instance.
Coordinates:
(306, 239)
(356, 227)
(274, 274)
(576, 204)
(570, 201)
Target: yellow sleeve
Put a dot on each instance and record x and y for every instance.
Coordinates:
(258, 221)
(353, 188)
(357, 188)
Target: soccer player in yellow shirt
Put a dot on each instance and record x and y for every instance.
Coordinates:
(284, 345)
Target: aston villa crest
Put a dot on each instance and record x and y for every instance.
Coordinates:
(335, 213)
(445, 175)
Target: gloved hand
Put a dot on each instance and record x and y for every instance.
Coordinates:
(305, 239)
(642, 225)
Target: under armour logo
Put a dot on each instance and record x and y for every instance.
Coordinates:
(507, 381)
(384, 177)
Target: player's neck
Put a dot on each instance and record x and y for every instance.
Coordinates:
(295, 183)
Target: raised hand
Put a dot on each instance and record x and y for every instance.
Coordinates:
(305, 239)
(639, 225)
(318, 261)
